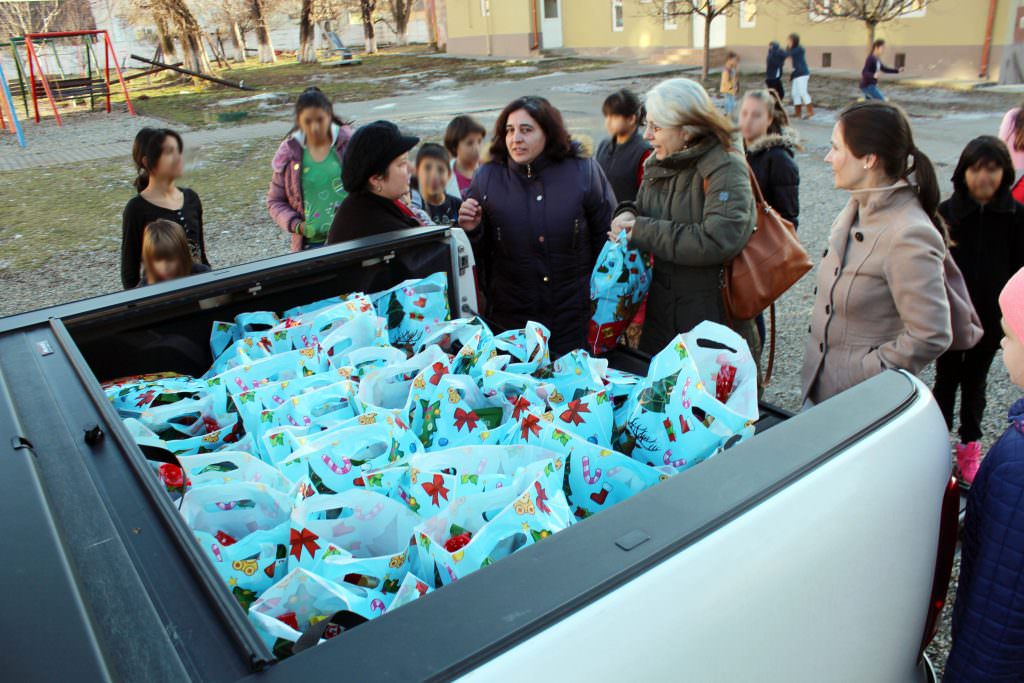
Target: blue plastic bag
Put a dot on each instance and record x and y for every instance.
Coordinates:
(618, 285)
(413, 309)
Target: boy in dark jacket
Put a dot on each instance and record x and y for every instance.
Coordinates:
(773, 69)
(987, 233)
(621, 156)
(988, 615)
(434, 171)
(869, 74)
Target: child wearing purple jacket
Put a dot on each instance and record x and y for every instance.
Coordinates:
(306, 187)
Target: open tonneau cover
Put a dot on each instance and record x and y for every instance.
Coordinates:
(103, 579)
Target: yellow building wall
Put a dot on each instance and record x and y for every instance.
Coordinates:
(588, 24)
(507, 16)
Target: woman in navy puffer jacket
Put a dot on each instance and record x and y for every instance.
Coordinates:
(538, 214)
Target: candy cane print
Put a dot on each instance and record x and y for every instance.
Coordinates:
(226, 506)
(686, 401)
(451, 573)
(241, 384)
(344, 469)
(586, 472)
(481, 466)
(277, 399)
(367, 516)
(377, 605)
(216, 552)
(613, 471)
(674, 463)
(306, 421)
(292, 421)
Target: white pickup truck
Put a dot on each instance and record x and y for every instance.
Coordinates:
(819, 550)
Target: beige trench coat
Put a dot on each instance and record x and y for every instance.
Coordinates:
(880, 300)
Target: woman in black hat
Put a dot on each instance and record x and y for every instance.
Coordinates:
(375, 173)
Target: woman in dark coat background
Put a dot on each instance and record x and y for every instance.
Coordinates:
(538, 213)
(375, 172)
(986, 230)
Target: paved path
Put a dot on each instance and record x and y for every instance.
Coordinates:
(102, 136)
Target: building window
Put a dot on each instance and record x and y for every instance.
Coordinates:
(485, 7)
(618, 20)
(815, 9)
(915, 9)
(670, 11)
(748, 13)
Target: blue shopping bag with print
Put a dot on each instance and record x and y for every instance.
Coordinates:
(618, 285)
(413, 309)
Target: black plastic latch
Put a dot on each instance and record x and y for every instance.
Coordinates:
(632, 540)
(19, 443)
(93, 434)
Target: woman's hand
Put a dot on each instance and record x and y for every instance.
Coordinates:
(624, 222)
(470, 215)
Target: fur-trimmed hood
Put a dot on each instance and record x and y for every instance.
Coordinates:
(788, 139)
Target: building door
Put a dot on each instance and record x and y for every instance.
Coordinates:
(551, 23)
(717, 31)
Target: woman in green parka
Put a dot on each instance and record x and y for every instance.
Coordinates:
(693, 213)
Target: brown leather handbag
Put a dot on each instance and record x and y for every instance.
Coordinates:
(772, 261)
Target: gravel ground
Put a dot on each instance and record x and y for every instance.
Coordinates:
(68, 276)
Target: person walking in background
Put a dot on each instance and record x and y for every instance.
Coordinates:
(800, 77)
(773, 69)
(306, 188)
(729, 86)
(158, 162)
(622, 154)
(770, 146)
(375, 172)
(537, 213)
(881, 298)
(986, 231)
(1011, 131)
(463, 139)
(988, 615)
(691, 232)
(166, 254)
(869, 74)
(433, 171)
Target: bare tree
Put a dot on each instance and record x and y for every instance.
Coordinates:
(708, 10)
(870, 12)
(19, 18)
(401, 11)
(307, 48)
(366, 10)
(259, 16)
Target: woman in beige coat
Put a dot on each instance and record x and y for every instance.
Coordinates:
(880, 300)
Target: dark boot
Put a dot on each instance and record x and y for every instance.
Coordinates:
(798, 111)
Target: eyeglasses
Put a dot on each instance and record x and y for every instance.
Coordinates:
(651, 126)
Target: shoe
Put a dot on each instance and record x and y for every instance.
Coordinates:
(810, 111)
(968, 458)
(798, 111)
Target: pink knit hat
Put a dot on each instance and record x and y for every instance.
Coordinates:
(1011, 303)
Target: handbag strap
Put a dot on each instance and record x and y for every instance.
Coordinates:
(771, 347)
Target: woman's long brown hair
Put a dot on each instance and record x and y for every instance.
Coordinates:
(164, 240)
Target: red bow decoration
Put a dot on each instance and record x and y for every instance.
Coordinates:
(421, 302)
(542, 496)
(440, 370)
(290, 619)
(519, 407)
(464, 419)
(435, 489)
(530, 424)
(145, 398)
(304, 539)
(572, 414)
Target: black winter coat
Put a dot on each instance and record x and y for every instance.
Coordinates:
(363, 214)
(988, 246)
(543, 226)
(771, 158)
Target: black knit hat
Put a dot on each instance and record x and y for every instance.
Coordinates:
(370, 151)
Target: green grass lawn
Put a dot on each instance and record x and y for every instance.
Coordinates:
(231, 179)
(381, 75)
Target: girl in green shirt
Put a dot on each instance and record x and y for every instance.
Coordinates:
(306, 186)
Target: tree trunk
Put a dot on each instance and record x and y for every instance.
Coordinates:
(307, 37)
(871, 26)
(164, 39)
(369, 34)
(238, 38)
(266, 53)
(402, 12)
(706, 65)
(191, 37)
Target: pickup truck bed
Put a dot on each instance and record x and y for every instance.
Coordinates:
(788, 556)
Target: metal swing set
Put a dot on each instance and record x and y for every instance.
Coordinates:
(33, 78)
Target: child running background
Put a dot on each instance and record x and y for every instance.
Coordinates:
(729, 86)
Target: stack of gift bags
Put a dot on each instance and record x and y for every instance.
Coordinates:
(349, 456)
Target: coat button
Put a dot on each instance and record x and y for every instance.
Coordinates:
(297, 166)
(815, 289)
(547, 279)
(824, 253)
(821, 347)
(828, 309)
(837, 270)
(808, 329)
(859, 236)
(541, 239)
(540, 197)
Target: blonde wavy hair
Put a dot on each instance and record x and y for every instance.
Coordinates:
(681, 102)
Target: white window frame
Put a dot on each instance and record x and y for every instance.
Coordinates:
(915, 13)
(618, 4)
(744, 22)
(669, 22)
(814, 16)
(485, 8)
